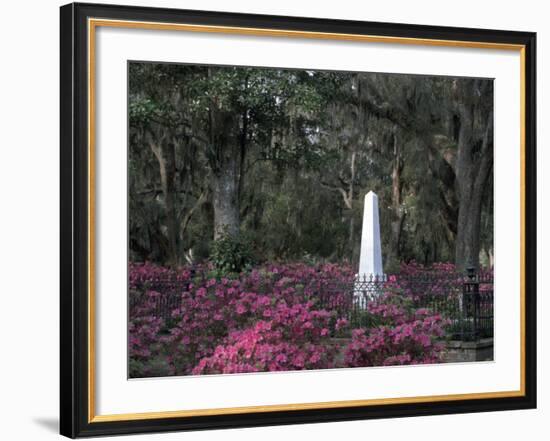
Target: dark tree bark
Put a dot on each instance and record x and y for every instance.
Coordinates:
(348, 201)
(346, 187)
(397, 186)
(473, 166)
(441, 167)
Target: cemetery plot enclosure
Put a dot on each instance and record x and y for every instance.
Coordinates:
(299, 317)
(464, 299)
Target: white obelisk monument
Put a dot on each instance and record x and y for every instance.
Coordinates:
(370, 259)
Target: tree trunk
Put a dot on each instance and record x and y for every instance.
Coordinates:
(398, 213)
(469, 219)
(166, 156)
(225, 198)
(348, 200)
(228, 138)
(351, 234)
(472, 171)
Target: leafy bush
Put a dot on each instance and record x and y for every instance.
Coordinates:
(231, 254)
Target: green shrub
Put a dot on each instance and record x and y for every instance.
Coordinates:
(231, 254)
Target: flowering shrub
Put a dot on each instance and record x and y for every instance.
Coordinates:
(271, 318)
(214, 313)
(293, 338)
(145, 345)
(204, 318)
(403, 336)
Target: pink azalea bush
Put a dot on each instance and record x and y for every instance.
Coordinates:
(292, 338)
(404, 335)
(145, 344)
(416, 281)
(215, 312)
(272, 318)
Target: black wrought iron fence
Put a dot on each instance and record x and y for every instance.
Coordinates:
(465, 300)
(159, 297)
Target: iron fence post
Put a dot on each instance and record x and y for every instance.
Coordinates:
(471, 303)
(476, 301)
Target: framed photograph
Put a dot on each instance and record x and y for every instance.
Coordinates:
(274, 220)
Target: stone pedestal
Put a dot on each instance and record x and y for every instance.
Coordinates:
(467, 351)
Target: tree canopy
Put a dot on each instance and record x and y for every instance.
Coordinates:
(282, 159)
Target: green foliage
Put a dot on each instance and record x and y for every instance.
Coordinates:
(231, 254)
(303, 148)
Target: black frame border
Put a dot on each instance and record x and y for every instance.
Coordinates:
(74, 219)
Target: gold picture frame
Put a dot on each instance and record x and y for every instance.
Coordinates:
(78, 52)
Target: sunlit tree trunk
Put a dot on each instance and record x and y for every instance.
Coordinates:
(165, 153)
